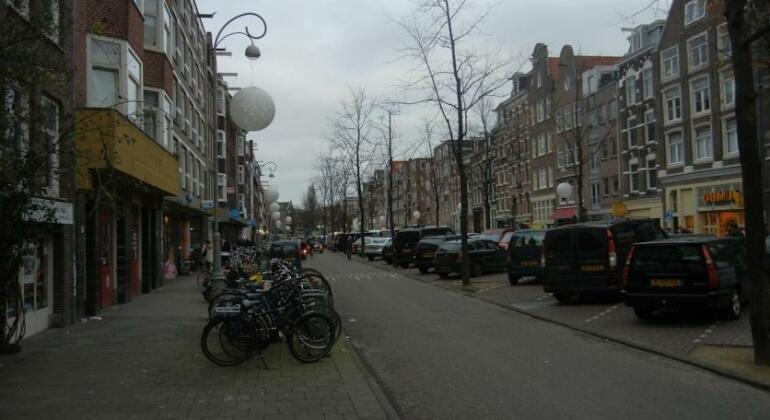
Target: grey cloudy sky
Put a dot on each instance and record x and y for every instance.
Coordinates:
(316, 50)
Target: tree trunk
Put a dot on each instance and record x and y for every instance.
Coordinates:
(751, 164)
(390, 176)
(465, 260)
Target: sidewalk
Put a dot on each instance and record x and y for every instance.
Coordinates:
(142, 360)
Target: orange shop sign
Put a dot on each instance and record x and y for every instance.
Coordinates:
(724, 196)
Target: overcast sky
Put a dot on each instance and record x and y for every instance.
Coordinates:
(316, 50)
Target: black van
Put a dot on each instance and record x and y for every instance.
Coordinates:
(524, 251)
(586, 258)
(406, 241)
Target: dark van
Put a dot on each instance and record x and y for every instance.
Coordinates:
(587, 258)
(524, 251)
(406, 241)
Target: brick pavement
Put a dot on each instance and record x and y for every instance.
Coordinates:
(143, 361)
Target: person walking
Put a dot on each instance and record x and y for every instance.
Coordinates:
(350, 246)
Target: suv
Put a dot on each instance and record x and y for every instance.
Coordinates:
(406, 241)
(502, 236)
(582, 259)
(483, 255)
(697, 272)
(524, 251)
(426, 250)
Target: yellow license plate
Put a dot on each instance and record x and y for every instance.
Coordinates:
(528, 263)
(591, 268)
(666, 282)
(428, 255)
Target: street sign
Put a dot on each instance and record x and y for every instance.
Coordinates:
(669, 216)
(207, 204)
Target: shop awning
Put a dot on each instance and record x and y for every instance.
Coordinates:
(564, 213)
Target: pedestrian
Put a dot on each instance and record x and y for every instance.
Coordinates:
(350, 246)
(205, 254)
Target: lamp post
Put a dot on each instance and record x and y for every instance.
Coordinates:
(252, 53)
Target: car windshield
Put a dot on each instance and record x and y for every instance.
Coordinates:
(533, 238)
(491, 235)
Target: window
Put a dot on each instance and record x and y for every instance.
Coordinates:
(550, 176)
(53, 15)
(561, 155)
(168, 33)
(221, 144)
(196, 175)
(701, 97)
(49, 111)
(630, 90)
(605, 150)
(647, 90)
(675, 148)
(615, 184)
(613, 146)
(631, 132)
(241, 175)
(698, 51)
(731, 136)
(182, 156)
(221, 183)
(605, 187)
(541, 145)
(242, 203)
(694, 10)
(724, 45)
(104, 88)
(670, 63)
(151, 23)
(612, 110)
(540, 111)
(594, 163)
(673, 104)
(152, 116)
(652, 175)
(702, 146)
(539, 79)
(240, 145)
(649, 126)
(727, 88)
(633, 177)
(542, 178)
(596, 194)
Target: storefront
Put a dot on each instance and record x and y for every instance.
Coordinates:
(709, 208)
(35, 278)
(650, 207)
(542, 211)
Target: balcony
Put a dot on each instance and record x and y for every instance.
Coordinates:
(106, 140)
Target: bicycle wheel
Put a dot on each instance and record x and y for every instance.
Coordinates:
(319, 281)
(200, 278)
(232, 340)
(311, 338)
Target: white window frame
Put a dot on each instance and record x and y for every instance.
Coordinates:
(696, 98)
(694, 10)
(221, 141)
(630, 131)
(648, 90)
(675, 100)
(121, 68)
(709, 143)
(241, 175)
(726, 153)
(680, 149)
(596, 194)
(702, 52)
(630, 85)
(724, 45)
(724, 82)
(221, 187)
(633, 187)
(649, 120)
(651, 170)
(673, 59)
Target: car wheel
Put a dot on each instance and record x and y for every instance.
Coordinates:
(423, 270)
(443, 275)
(643, 312)
(476, 270)
(733, 310)
(514, 280)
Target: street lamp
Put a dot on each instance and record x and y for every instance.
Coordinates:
(259, 103)
(271, 167)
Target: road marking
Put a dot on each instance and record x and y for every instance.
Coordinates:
(706, 333)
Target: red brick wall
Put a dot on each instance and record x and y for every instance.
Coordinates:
(158, 72)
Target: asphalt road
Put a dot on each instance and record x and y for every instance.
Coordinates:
(440, 354)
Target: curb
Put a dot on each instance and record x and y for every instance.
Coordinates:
(374, 385)
(683, 359)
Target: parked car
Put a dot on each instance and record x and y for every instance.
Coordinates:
(374, 246)
(426, 250)
(501, 236)
(583, 259)
(524, 249)
(695, 272)
(406, 241)
(288, 250)
(387, 251)
(484, 255)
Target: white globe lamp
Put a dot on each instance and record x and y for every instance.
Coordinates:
(416, 215)
(276, 215)
(287, 220)
(271, 195)
(252, 109)
(273, 207)
(564, 191)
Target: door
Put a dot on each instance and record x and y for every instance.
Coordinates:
(35, 278)
(560, 258)
(122, 260)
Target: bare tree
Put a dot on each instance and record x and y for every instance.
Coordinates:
(456, 76)
(310, 203)
(749, 27)
(351, 135)
(485, 114)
